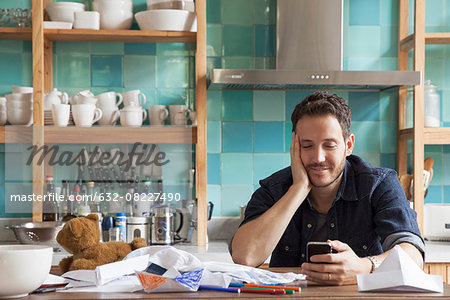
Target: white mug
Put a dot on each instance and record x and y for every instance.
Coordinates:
(86, 114)
(157, 114)
(109, 99)
(133, 98)
(110, 115)
(178, 114)
(132, 116)
(60, 114)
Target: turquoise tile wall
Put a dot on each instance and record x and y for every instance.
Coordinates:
(249, 132)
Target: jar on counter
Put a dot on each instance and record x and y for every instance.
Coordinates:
(432, 105)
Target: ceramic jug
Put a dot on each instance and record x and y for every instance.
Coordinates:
(55, 97)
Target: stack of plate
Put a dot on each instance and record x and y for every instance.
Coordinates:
(48, 118)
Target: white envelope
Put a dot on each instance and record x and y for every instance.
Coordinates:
(398, 272)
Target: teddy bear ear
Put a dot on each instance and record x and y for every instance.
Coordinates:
(93, 217)
(76, 228)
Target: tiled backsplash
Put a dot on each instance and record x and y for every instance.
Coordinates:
(249, 132)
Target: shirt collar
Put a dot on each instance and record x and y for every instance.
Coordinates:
(347, 188)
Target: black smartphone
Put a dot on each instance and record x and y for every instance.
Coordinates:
(314, 248)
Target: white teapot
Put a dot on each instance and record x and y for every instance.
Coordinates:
(55, 97)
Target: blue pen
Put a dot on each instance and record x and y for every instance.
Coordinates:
(236, 285)
(219, 289)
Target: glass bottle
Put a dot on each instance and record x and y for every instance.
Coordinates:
(68, 207)
(50, 208)
(432, 105)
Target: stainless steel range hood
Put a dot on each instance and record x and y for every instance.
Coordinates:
(309, 55)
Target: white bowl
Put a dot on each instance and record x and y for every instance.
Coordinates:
(66, 4)
(151, 2)
(23, 268)
(18, 116)
(167, 19)
(22, 89)
(19, 104)
(62, 13)
(20, 97)
(87, 20)
(186, 5)
(114, 14)
(57, 25)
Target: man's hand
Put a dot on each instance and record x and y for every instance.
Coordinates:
(336, 268)
(299, 174)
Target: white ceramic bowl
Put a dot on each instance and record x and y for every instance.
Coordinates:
(22, 89)
(114, 14)
(151, 2)
(178, 4)
(23, 268)
(19, 104)
(20, 97)
(87, 20)
(18, 116)
(57, 25)
(63, 13)
(167, 19)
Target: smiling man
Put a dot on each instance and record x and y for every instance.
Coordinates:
(327, 194)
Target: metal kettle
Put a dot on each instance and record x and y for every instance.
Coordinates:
(192, 233)
(163, 225)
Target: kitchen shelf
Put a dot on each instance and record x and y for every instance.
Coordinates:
(431, 38)
(126, 36)
(16, 134)
(117, 134)
(15, 33)
(431, 136)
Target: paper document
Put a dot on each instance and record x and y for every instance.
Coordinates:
(398, 272)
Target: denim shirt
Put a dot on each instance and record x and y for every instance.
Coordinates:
(370, 206)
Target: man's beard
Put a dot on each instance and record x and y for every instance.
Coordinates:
(339, 169)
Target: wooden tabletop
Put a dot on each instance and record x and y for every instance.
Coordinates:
(309, 291)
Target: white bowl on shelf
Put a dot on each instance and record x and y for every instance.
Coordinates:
(152, 2)
(167, 19)
(24, 268)
(87, 20)
(57, 25)
(63, 11)
(114, 14)
(168, 4)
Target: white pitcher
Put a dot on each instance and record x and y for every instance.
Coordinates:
(55, 97)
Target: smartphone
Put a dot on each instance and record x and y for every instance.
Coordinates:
(314, 248)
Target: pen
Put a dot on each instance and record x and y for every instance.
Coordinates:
(219, 289)
(233, 284)
(288, 292)
(263, 291)
(293, 288)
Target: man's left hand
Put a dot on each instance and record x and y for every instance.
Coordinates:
(336, 268)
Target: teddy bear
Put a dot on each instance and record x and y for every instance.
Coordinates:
(81, 237)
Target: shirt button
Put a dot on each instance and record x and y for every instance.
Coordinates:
(286, 248)
(332, 225)
(309, 225)
(364, 247)
(303, 255)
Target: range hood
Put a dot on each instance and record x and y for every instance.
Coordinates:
(309, 56)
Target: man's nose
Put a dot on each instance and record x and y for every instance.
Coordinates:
(319, 155)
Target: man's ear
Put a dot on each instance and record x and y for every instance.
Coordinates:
(349, 144)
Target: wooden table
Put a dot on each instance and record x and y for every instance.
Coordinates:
(309, 291)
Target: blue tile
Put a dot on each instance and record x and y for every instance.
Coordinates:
(363, 64)
(388, 137)
(107, 71)
(173, 71)
(73, 70)
(237, 105)
(367, 136)
(139, 71)
(445, 168)
(107, 48)
(434, 12)
(269, 136)
(172, 96)
(27, 46)
(265, 40)
(214, 105)
(233, 197)
(292, 99)
(212, 63)
(372, 159)
(388, 39)
(214, 195)
(11, 66)
(365, 106)
(388, 160)
(214, 137)
(237, 168)
(389, 12)
(269, 105)
(214, 40)
(213, 168)
(363, 41)
(237, 62)
(237, 40)
(287, 136)
(27, 69)
(140, 48)
(434, 194)
(265, 164)
(437, 168)
(214, 11)
(237, 137)
(389, 106)
(72, 47)
(237, 12)
(364, 12)
(446, 194)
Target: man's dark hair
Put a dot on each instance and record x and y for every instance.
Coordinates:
(322, 104)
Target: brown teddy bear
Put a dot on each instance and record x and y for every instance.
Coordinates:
(81, 237)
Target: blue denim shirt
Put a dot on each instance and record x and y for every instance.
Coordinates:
(369, 207)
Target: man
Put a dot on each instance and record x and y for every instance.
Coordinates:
(327, 194)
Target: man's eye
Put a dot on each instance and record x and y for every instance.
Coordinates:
(306, 146)
(330, 146)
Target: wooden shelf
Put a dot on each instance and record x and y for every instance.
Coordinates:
(15, 33)
(431, 38)
(431, 136)
(103, 135)
(126, 36)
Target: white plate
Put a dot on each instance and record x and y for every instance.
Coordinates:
(57, 25)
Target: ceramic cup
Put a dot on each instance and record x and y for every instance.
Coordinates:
(110, 115)
(133, 98)
(86, 114)
(109, 99)
(178, 114)
(157, 114)
(60, 114)
(22, 89)
(132, 116)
